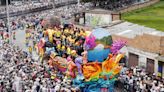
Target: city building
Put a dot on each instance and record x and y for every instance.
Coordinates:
(97, 17)
(145, 46)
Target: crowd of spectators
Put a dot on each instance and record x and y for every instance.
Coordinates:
(70, 10)
(108, 4)
(64, 1)
(19, 72)
(23, 7)
(30, 6)
(117, 4)
(136, 79)
(65, 12)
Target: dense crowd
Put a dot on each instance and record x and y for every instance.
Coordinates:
(118, 4)
(29, 6)
(20, 73)
(136, 79)
(20, 21)
(72, 9)
(23, 7)
(63, 1)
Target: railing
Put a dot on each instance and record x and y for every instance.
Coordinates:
(65, 3)
(12, 14)
(138, 6)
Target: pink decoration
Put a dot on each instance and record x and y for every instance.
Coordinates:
(90, 42)
(117, 45)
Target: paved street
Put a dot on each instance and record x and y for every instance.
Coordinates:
(20, 41)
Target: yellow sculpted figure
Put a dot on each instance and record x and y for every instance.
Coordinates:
(112, 64)
(50, 33)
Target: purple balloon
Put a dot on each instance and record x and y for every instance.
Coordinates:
(78, 62)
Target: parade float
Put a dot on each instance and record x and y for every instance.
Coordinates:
(98, 44)
(103, 62)
(96, 69)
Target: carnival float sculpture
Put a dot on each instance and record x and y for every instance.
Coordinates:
(96, 69)
(98, 44)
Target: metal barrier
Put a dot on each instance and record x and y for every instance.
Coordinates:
(65, 3)
(12, 14)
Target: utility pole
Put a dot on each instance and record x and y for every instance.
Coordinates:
(78, 3)
(53, 2)
(8, 21)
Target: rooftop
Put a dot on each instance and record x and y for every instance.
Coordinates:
(100, 11)
(131, 30)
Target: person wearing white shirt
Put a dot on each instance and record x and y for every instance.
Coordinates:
(44, 89)
(162, 88)
(157, 88)
(17, 84)
(142, 86)
(134, 71)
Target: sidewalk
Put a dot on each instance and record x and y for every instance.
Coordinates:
(20, 41)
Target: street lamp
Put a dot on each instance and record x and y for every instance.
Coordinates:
(8, 21)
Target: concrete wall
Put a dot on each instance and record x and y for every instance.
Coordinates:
(116, 17)
(145, 46)
(145, 42)
(142, 62)
(143, 57)
(162, 46)
(138, 6)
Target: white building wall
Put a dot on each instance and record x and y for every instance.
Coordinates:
(142, 56)
(142, 61)
(125, 51)
(156, 66)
